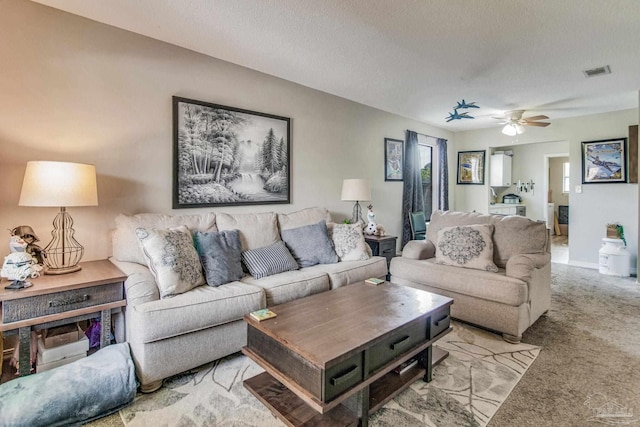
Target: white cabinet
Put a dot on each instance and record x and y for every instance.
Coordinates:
(508, 209)
(500, 175)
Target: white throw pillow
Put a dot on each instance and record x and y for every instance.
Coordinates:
(172, 259)
(349, 242)
(469, 246)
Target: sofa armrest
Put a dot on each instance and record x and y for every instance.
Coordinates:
(419, 249)
(521, 266)
(140, 286)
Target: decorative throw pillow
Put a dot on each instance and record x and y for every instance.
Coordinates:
(349, 242)
(172, 259)
(469, 246)
(269, 260)
(310, 244)
(221, 256)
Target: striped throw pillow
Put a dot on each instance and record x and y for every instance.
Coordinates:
(269, 260)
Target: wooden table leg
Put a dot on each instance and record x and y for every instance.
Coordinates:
(105, 328)
(24, 354)
(363, 406)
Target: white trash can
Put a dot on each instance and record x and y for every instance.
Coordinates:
(614, 258)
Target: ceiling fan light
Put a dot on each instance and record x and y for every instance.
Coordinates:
(519, 129)
(509, 130)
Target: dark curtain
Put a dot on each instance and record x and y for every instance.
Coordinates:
(412, 198)
(443, 175)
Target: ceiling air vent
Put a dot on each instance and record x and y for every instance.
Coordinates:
(599, 71)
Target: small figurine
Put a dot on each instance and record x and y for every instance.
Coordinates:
(19, 265)
(371, 217)
(29, 237)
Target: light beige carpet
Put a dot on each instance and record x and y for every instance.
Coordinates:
(467, 390)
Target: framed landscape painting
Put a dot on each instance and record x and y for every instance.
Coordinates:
(226, 156)
(604, 161)
(393, 159)
(471, 167)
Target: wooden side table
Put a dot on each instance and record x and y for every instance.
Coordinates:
(382, 246)
(61, 299)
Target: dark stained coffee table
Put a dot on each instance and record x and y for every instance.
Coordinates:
(329, 357)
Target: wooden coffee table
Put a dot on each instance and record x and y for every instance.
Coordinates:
(329, 357)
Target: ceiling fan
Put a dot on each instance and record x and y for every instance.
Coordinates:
(515, 123)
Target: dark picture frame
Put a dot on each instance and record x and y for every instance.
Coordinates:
(604, 161)
(393, 159)
(471, 167)
(227, 156)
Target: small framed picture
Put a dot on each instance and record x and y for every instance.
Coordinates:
(604, 161)
(471, 167)
(393, 159)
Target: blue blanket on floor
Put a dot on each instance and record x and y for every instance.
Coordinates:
(83, 390)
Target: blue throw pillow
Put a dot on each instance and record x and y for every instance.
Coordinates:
(310, 244)
(269, 260)
(221, 256)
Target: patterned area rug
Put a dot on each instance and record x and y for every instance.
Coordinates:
(467, 390)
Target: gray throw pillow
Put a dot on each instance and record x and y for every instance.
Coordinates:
(220, 255)
(269, 260)
(310, 244)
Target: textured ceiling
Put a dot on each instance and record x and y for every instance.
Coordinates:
(415, 58)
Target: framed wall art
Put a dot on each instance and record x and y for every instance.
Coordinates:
(226, 156)
(471, 167)
(604, 161)
(393, 159)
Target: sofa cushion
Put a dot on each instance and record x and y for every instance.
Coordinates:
(256, 230)
(349, 242)
(125, 242)
(476, 283)
(220, 255)
(291, 285)
(303, 217)
(200, 308)
(468, 246)
(172, 259)
(347, 272)
(310, 244)
(269, 260)
(515, 235)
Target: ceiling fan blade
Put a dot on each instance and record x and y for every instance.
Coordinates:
(541, 124)
(536, 118)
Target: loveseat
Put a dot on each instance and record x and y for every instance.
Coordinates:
(171, 329)
(496, 268)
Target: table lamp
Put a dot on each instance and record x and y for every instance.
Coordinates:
(356, 190)
(60, 184)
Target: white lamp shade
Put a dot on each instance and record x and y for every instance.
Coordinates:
(59, 184)
(356, 190)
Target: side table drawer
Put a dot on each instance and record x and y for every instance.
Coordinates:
(388, 249)
(60, 302)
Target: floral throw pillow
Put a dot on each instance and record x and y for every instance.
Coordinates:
(172, 259)
(468, 246)
(348, 241)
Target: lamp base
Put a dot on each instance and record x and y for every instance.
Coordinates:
(62, 270)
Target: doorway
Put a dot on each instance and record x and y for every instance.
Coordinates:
(557, 189)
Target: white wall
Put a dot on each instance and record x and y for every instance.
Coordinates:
(76, 90)
(591, 210)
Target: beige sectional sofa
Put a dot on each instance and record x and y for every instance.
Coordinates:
(507, 300)
(170, 335)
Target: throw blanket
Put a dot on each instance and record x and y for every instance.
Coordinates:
(85, 389)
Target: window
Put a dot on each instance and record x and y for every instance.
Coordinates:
(426, 148)
(565, 177)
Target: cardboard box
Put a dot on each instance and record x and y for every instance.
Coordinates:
(60, 335)
(62, 351)
(41, 367)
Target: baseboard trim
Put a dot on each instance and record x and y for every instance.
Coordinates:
(591, 265)
(633, 271)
